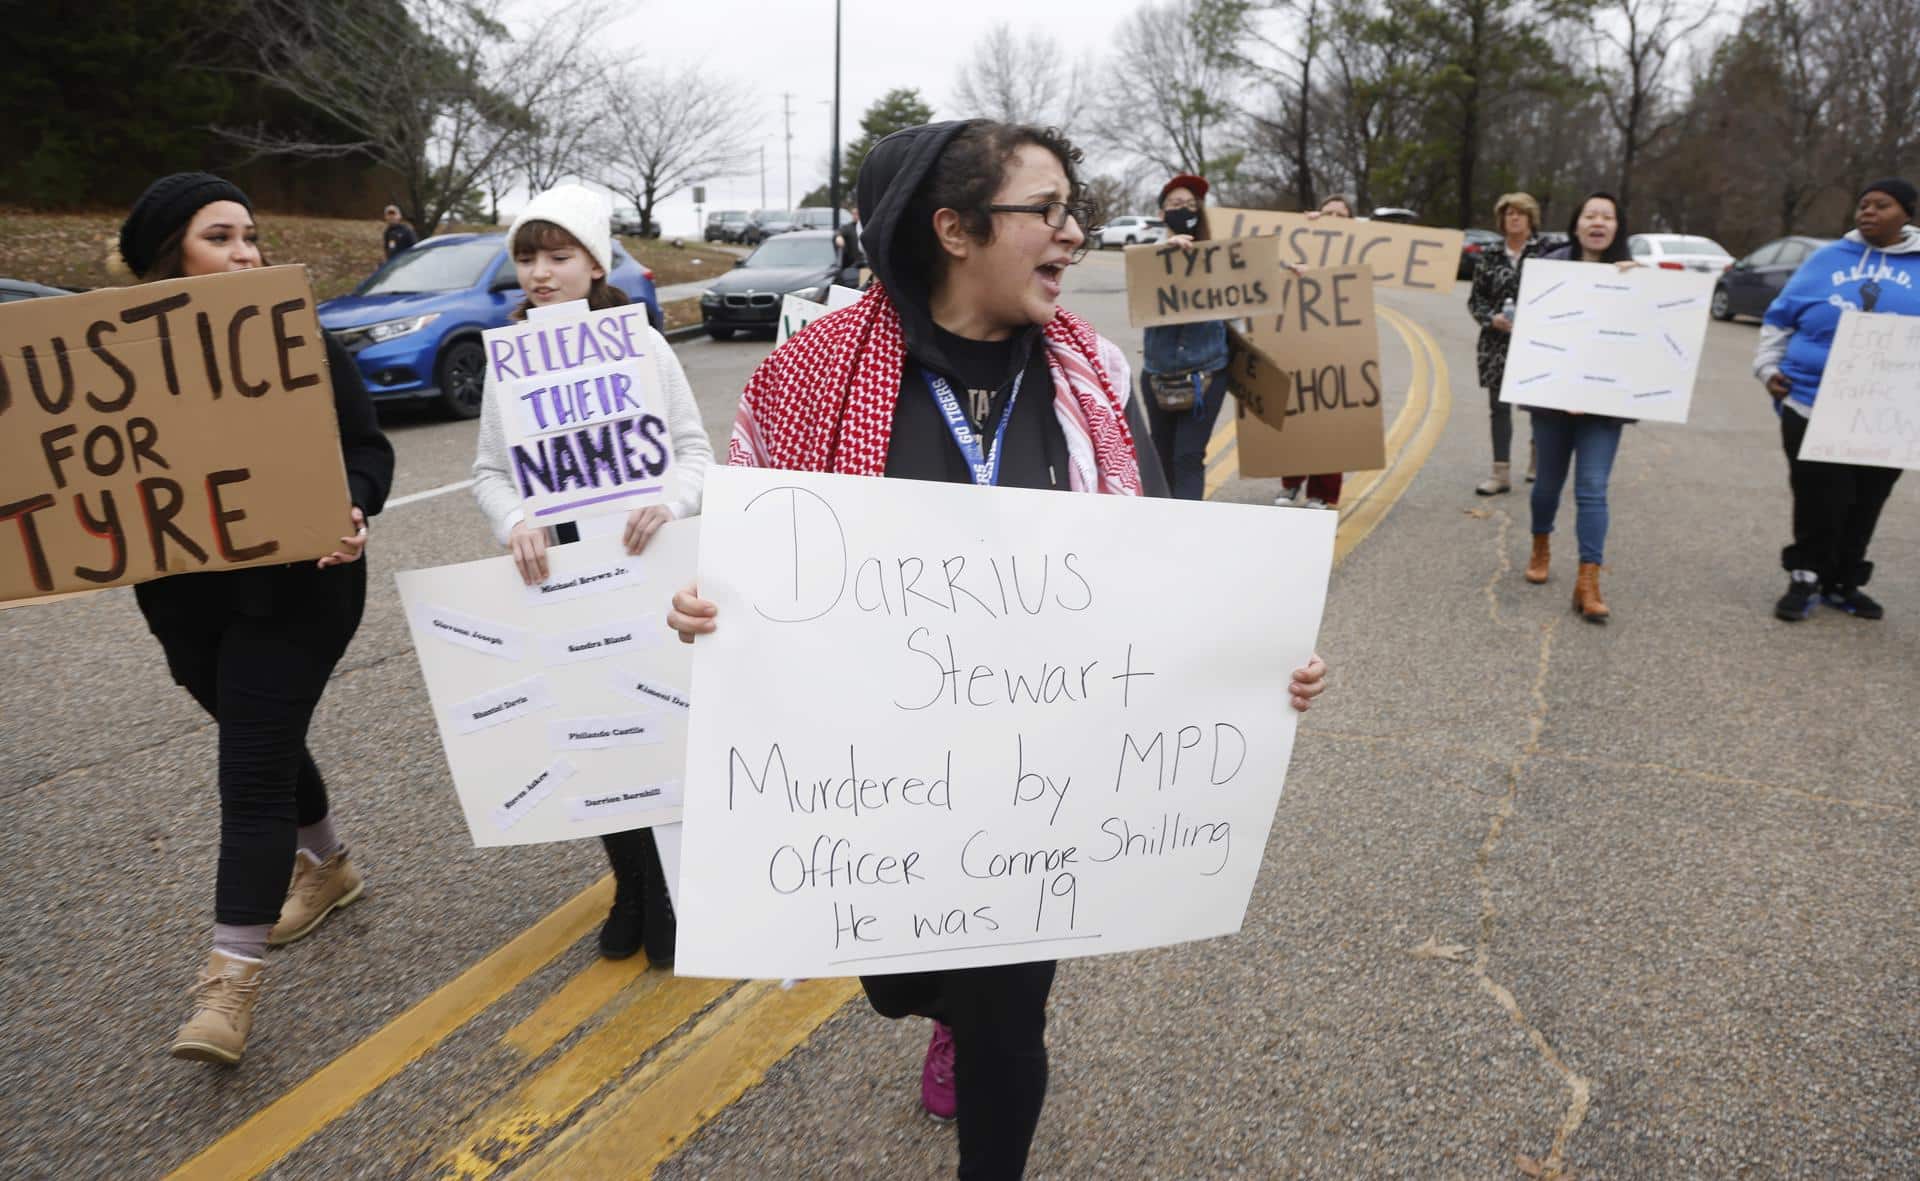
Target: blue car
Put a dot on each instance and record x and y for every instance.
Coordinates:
(414, 326)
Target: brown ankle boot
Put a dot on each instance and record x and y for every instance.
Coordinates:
(1586, 594)
(1537, 565)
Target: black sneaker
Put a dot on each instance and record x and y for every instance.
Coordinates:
(1854, 602)
(1798, 602)
(622, 934)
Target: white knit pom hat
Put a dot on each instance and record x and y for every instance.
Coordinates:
(580, 211)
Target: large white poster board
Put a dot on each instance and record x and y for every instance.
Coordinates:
(1600, 340)
(563, 707)
(1868, 408)
(585, 417)
(941, 726)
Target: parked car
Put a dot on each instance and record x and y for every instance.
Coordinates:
(1476, 243)
(725, 225)
(17, 289)
(1679, 252)
(1748, 286)
(814, 217)
(802, 263)
(1130, 230)
(1549, 240)
(1394, 213)
(414, 325)
(754, 232)
(778, 221)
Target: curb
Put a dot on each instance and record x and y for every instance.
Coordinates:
(684, 332)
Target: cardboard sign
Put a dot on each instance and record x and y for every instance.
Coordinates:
(586, 419)
(543, 701)
(797, 313)
(1593, 338)
(942, 726)
(1420, 258)
(164, 429)
(1209, 281)
(1868, 409)
(1324, 341)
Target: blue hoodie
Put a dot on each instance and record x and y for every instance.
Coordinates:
(1847, 274)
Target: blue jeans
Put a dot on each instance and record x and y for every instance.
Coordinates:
(1586, 443)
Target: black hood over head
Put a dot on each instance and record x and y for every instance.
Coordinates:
(890, 174)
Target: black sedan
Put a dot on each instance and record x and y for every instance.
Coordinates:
(802, 263)
(1749, 285)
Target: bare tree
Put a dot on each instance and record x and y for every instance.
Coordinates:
(1279, 42)
(1166, 97)
(1636, 42)
(437, 91)
(1018, 81)
(665, 130)
(1870, 45)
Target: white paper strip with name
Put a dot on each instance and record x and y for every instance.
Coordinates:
(549, 715)
(942, 726)
(1868, 408)
(1593, 338)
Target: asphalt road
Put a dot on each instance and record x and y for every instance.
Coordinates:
(1664, 870)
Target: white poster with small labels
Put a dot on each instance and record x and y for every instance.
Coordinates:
(534, 688)
(1597, 339)
(941, 726)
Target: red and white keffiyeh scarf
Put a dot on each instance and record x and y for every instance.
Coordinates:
(823, 401)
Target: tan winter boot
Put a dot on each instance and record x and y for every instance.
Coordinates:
(217, 1031)
(1586, 594)
(319, 888)
(1537, 565)
(1500, 481)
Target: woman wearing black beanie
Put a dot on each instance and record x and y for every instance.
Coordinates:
(255, 648)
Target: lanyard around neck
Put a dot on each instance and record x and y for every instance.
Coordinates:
(984, 466)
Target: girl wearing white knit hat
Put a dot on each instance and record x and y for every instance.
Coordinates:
(562, 250)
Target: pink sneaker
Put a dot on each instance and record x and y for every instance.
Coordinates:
(936, 1077)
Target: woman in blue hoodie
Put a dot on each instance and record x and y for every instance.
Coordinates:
(1875, 268)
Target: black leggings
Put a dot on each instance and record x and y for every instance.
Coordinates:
(1501, 414)
(1180, 437)
(1835, 509)
(999, 1020)
(255, 648)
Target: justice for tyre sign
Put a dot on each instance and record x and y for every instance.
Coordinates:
(163, 429)
(942, 727)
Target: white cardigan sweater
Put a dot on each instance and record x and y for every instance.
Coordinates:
(499, 497)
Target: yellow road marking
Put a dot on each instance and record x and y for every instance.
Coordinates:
(729, 1048)
(288, 1121)
(694, 1078)
(575, 1001)
(546, 1102)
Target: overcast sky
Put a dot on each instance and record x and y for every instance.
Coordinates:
(773, 46)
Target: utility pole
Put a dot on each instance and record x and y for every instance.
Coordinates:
(787, 102)
(833, 157)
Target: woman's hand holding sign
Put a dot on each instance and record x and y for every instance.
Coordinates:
(351, 546)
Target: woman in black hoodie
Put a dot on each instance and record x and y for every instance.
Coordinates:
(255, 647)
(969, 228)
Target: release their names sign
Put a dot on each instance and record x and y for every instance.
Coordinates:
(562, 707)
(1205, 281)
(585, 416)
(166, 428)
(1594, 338)
(941, 726)
(1868, 409)
(1419, 258)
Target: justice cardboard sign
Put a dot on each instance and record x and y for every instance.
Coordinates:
(586, 420)
(941, 726)
(1420, 258)
(1308, 379)
(166, 428)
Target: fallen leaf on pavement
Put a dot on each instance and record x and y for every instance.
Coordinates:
(1433, 949)
(1478, 514)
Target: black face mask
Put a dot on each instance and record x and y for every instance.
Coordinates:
(1183, 221)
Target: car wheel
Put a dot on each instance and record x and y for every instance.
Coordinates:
(461, 375)
(1722, 304)
(1132, 241)
(719, 333)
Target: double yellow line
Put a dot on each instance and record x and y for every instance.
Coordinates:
(649, 1058)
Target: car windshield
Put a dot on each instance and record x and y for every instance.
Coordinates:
(793, 252)
(453, 267)
(1687, 244)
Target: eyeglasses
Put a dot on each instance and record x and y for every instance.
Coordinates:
(1054, 213)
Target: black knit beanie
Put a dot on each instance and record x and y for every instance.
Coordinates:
(169, 204)
(1902, 191)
